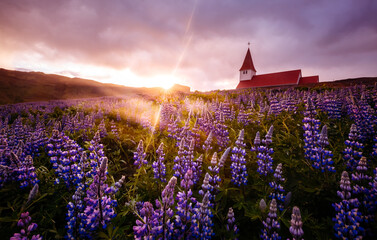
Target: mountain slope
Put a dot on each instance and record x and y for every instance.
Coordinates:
(16, 86)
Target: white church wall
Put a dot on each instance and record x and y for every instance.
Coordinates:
(246, 74)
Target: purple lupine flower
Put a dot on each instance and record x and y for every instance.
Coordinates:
(363, 115)
(26, 228)
(102, 129)
(99, 203)
(372, 198)
(167, 110)
(33, 193)
(264, 152)
(25, 170)
(311, 129)
(207, 144)
(353, 151)
(198, 172)
(214, 170)
(332, 105)
(277, 188)
(147, 227)
(195, 133)
(275, 106)
(206, 186)
(224, 157)
(185, 202)
(206, 123)
(184, 132)
(114, 130)
(374, 153)
(231, 225)
(238, 166)
(243, 116)
(173, 128)
(322, 158)
(268, 139)
(164, 211)
(362, 192)
(296, 224)
(96, 155)
(159, 168)
(202, 219)
(180, 160)
(64, 155)
(139, 156)
(347, 219)
(75, 216)
(146, 122)
(271, 224)
(221, 132)
(189, 163)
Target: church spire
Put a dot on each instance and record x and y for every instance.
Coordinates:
(248, 62)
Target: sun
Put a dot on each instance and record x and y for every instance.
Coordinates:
(164, 81)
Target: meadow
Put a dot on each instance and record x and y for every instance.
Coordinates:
(289, 163)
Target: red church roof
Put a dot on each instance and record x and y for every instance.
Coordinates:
(272, 79)
(309, 80)
(248, 62)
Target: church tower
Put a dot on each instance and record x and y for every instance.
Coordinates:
(247, 71)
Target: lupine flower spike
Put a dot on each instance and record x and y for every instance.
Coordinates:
(224, 157)
(26, 228)
(203, 219)
(147, 227)
(99, 203)
(207, 144)
(238, 166)
(347, 219)
(215, 178)
(264, 152)
(262, 205)
(139, 155)
(271, 224)
(353, 151)
(277, 187)
(185, 208)
(159, 168)
(164, 211)
(231, 225)
(322, 158)
(296, 224)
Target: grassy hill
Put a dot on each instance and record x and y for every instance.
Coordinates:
(17, 86)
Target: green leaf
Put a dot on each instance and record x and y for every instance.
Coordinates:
(8, 219)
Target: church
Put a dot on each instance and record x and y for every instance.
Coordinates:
(249, 78)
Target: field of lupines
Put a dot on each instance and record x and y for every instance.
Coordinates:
(251, 164)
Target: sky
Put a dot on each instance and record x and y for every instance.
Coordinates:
(198, 43)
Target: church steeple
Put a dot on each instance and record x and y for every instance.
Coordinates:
(247, 70)
(248, 62)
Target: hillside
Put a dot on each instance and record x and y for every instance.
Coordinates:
(17, 86)
(368, 81)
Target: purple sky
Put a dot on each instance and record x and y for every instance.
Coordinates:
(197, 43)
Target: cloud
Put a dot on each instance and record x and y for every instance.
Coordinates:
(201, 42)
